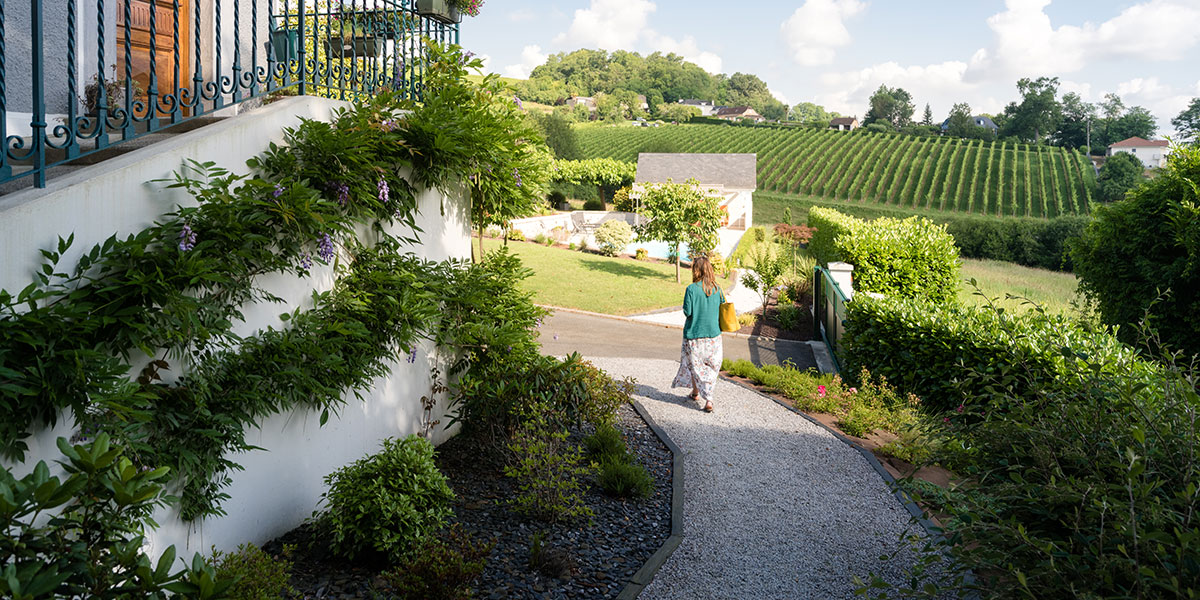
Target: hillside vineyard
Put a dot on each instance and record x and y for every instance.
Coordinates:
(932, 173)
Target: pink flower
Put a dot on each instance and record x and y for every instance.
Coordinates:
(821, 391)
(853, 390)
(946, 419)
(960, 408)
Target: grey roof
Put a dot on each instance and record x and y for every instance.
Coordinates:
(733, 171)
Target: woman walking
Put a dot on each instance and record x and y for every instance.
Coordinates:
(700, 358)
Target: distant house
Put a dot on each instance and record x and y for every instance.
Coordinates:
(706, 106)
(731, 177)
(1152, 153)
(844, 124)
(587, 101)
(641, 99)
(979, 121)
(737, 113)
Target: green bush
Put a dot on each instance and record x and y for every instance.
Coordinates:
(605, 441)
(625, 479)
(923, 347)
(386, 504)
(790, 315)
(443, 568)
(547, 469)
(621, 200)
(259, 575)
(642, 254)
(593, 204)
(912, 258)
(613, 236)
(1137, 249)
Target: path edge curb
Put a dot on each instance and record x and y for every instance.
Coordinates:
(646, 574)
(933, 531)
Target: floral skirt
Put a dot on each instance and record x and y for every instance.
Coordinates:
(699, 365)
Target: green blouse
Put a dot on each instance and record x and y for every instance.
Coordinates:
(701, 312)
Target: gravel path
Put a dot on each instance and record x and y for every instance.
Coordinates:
(774, 506)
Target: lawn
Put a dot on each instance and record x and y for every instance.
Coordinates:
(1052, 289)
(615, 286)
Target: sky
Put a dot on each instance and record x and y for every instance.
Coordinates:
(837, 52)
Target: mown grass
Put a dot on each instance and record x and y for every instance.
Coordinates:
(1051, 289)
(585, 281)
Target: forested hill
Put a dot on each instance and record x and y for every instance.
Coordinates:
(932, 173)
(661, 78)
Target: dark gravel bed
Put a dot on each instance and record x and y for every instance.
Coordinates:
(592, 560)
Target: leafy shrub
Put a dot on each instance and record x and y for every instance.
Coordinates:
(515, 235)
(621, 200)
(760, 234)
(613, 236)
(1138, 248)
(93, 546)
(605, 441)
(547, 469)
(913, 258)
(766, 270)
(625, 479)
(796, 234)
(746, 319)
(386, 504)
(593, 204)
(790, 316)
(259, 575)
(923, 347)
(555, 198)
(443, 568)
(642, 254)
(549, 560)
(1031, 242)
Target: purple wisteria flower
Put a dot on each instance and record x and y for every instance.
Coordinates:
(325, 247)
(517, 176)
(389, 124)
(278, 191)
(343, 192)
(187, 238)
(306, 262)
(517, 101)
(383, 190)
(412, 356)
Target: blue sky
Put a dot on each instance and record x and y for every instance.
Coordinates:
(836, 52)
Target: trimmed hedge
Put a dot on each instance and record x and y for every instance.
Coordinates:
(924, 348)
(910, 258)
(1026, 241)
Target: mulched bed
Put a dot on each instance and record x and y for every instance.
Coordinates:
(602, 556)
(771, 327)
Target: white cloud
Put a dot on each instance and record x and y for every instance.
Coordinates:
(817, 29)
(521, 15)
(779, 96)
(1028, 45)
(939, 84)
(1162, 100)
(531, 57)
(608, 24)
(487, 62)
(1084, 90)
(625, 25)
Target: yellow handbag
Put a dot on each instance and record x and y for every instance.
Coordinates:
(727, 315)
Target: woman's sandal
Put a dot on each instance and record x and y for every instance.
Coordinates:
(708, 407)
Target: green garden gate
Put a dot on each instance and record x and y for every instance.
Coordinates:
(829, 312)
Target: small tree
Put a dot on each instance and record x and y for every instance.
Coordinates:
(1121, 173)
(613, 236)
(766, 272)
(677, 213)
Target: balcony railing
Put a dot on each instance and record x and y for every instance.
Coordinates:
(95, 73)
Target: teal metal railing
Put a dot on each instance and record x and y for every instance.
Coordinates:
(94, 74)
(829, 312)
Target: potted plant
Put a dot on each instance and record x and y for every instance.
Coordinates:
(114, 93)
(386, 23)
(448, 11)
(350, 39)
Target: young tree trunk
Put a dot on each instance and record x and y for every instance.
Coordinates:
(477, 258)
(676, 249)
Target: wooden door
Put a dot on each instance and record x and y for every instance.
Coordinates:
(137, 32)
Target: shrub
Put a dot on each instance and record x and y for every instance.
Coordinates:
(1031, 242)
(623, 478)
(549, 560)
(621, 200)
(386, 504)
(923, 347)
(605, 441)
(593, 204)
(541, 238)
(442, 569)
(760, 234)
(259, 575)
(912, 258)
(796, 234)
(547, 469)
(747, 319)
(1138, 248)
(767, 269)
(555, 198)
(642, 254)
(515, 235)
(790, 315)
(613, 237)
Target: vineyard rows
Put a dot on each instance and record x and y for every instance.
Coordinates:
(934, 173)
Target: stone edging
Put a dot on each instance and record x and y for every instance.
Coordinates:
(646, 574)
(905, 500)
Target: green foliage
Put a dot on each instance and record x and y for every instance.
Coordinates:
(82, 536)
(766, 272)
(893, 106)
(923, 347)
(384, 505)
(790, 315)
(622, 201)
(624, 479)
(259, 575)
(605, 441)
(547, 469)
(642, 254)
(912, 258)
(1138, 257)
(443, 568)
(593, 204)
(1083, 486)
(613, 236)
(1029, 242)
(1121, 173)
(559, 135)
(1187, 122)
(600, 172)
(680, 212)
(515, 235)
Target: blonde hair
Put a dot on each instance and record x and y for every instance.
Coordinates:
(702, 271)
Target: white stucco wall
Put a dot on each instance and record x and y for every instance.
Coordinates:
(1152, 157)
(279, 487)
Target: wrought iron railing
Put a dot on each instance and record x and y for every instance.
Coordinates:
(829, 312)
(102, 72)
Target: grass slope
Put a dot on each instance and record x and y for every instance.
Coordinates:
(800, 163)
(1053, 290)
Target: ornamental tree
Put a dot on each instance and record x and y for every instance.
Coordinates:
(680, 212)
(604, 173)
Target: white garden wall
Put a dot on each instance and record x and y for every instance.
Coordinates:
(280, 486)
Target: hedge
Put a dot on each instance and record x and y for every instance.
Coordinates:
(910, 258)
(924, 347)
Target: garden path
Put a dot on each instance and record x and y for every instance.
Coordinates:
(743, 298)
(774, 506)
